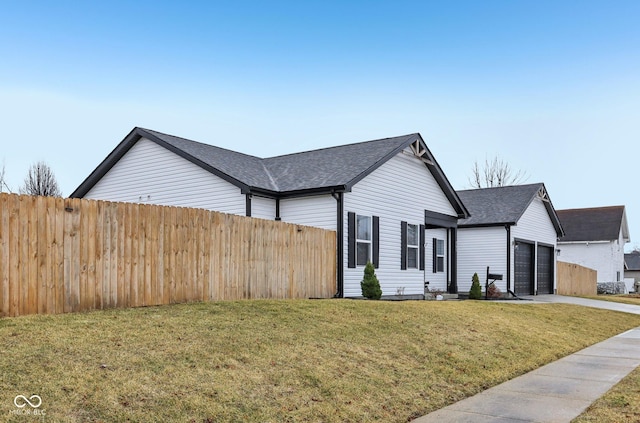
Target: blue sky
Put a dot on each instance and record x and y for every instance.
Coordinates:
(552, 87)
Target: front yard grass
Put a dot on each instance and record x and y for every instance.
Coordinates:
(279, 361)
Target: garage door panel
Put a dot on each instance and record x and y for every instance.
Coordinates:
(545, 270)
(523, 284)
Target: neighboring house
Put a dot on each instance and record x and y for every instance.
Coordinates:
(632, 266)
(383, 198)
(595, 238)
(513, 230)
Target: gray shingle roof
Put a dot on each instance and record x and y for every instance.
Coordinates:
(592, 224)
(327, 167)
(333, 166)
(632, 261)
(245, 168)
(498, 205)
(324, 170)
(502, 205)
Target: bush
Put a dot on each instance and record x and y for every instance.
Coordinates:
(370, 285)
(475, 293)
(493, 291)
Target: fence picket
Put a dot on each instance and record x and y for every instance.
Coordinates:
(61, 255)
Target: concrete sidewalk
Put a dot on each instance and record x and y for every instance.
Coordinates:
(559, 391)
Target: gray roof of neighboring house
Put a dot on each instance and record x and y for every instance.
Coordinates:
(503, 205)
(632, 261)
(594, 224)
(332, 169)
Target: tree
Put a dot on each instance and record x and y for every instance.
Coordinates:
(41, 181)
(495, 173)
(3, 181)
(475, 293)
(370, 285)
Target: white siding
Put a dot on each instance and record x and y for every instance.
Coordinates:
(263, 208)
(437, 280)
(482, 247)
(535, 225)
(319, 211)
(149, 173)
(607, 258)
(399, 190)
(477, 249)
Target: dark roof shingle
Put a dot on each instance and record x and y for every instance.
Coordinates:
(502, 205)
(318, 171)
(592, 224)
(632, 260)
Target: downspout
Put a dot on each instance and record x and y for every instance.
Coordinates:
(340, 245)
(454, 261)
(278, 218)
(509, 290)
(248, 205)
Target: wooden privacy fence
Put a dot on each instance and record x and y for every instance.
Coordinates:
(62, 255)
(576, 280)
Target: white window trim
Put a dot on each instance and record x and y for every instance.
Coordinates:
(438, 255)
(415, 246)
(365, 241)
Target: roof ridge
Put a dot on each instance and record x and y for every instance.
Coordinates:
(537, 184)
(594, 208)
(339, 146)
(201, 143)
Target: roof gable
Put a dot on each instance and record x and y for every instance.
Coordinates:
(504, 205)
(325, 170)
(632, 261)
(594, 224)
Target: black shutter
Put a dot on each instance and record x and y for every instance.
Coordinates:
(435, 255)
(351, 240)
(421, 246)
(376, 241)
(403, 245)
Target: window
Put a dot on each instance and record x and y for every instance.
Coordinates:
(363, 240)
(413, 239)
(439, 247)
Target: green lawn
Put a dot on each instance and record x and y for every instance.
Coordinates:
(275, 361)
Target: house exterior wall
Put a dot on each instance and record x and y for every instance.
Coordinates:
(477, 249)
(535, 226)
(319, 211)
(399, 190)
(632, 274)
(606, 257)
(149, 173)
(487, 246)
(263, 208)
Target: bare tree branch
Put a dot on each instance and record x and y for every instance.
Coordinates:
(41, 181)
(3, 181)
(495, 173)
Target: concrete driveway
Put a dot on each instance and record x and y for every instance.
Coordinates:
(607, 305)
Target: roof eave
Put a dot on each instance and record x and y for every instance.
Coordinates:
(127, 143)
(106, 165)
(486, 225)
